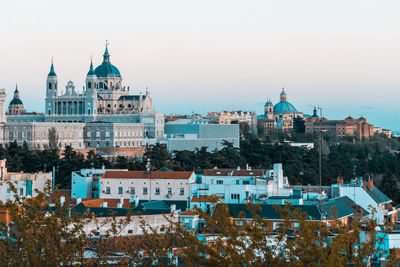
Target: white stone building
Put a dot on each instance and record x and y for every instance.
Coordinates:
(188, 134)
(102, 114)
(146, 185)
(238, 186)
(86, 182)
(25, 184)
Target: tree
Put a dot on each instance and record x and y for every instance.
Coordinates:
(299, 125)
(53, 139)
(390, 187)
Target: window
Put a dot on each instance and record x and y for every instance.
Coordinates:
(108, 134)
(246, 182)
(237, 182)
(120, 190)
(130, 231)
(144, 190)
(235, 196)
(182, 191)
(157, 190)
(132, 190)
(169, 191)
(89, 133)
(108, 190)
(220, 181)
(8, 191)
(98, 134)
(21, 191)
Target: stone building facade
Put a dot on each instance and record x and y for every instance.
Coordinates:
(340, 128)
(102, 114)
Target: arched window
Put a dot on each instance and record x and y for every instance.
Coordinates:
(50, 86)
(88, 111)
(89, 85)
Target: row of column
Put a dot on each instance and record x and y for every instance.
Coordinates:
(69, 108)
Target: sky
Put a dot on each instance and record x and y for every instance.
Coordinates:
(214, 55)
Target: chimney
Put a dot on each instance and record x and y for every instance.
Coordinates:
(78, 200)
(120, 203)
(247, 167)
(136, 201)
(62, 200)
(173, 208)
(370, 185)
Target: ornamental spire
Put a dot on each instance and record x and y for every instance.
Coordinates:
(91, 71)
(52, 73)
(106, 56)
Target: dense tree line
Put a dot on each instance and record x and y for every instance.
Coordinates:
(376, 158)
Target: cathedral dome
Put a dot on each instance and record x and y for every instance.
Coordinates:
(106, 69)
(284, 107)
(16, 101)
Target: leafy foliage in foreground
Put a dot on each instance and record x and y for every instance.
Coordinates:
(40, 235)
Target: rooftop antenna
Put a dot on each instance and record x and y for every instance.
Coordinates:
(148, 168)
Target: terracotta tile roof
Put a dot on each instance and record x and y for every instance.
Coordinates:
(188, 212)
(204, 199)
(92, 203)
(111, 203)
(234, 172)
(147, 175)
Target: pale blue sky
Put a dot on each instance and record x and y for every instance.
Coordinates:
(214, 55)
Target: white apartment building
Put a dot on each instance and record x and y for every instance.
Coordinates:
(26, 184)
(86, 182)
(237, 186)
(146, 185)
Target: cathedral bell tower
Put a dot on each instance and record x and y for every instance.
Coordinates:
(51, 90)
(91, 92)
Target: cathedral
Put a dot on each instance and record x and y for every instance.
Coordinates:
(102, 114)
(279, 116)
(104, 94)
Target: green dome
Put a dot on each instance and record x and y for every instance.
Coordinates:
(106, 69)
(16, 101)
(284, 107)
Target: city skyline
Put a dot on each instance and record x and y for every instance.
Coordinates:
(214, 56)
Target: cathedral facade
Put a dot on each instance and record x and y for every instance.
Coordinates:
(102, 114)
(279, 116)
